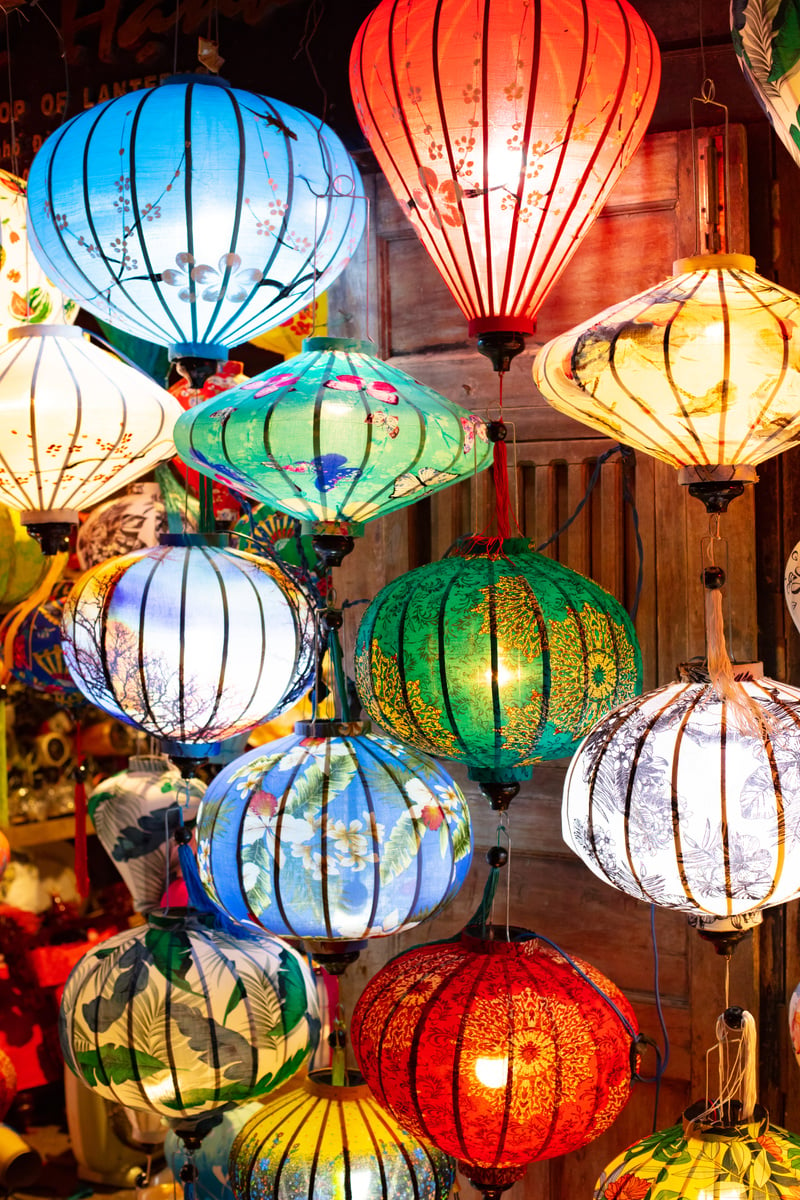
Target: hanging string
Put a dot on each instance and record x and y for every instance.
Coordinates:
(11, 117)
(737, 1067)
(337, 1040)
(664, 1057)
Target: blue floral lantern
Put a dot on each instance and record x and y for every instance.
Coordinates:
(194, 214)
(333, 835)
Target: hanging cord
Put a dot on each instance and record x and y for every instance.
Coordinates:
(337, 1040)
(737, 1066)
(333, 620)
(593, 480)
(81, 855)
(11, 117)
(662, 1059)
(62, 50)
(497, 432)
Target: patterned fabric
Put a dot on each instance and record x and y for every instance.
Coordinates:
(135, 814)
(766, 38)
(333, 435)
(496, 656)
(37, 658)
(325, 1141)
(177, 1017)
(758, 1161)
(190, 643)
(27, 297)
(501, 129)
(669, 800)
(339, 837)
(211, 1160)
(133, 521)
(497, 1052)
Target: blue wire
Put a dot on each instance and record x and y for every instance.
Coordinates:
(657, 989)
(629, 1029)
(592, 484)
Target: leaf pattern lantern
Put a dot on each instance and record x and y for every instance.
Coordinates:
(670, 800)
(333, 835)
(181, 1019)
(189, 642)
(27, 297)
(135, 813)
(194, 214)
(755, 1160)
(334, 1140)
(333, 436)
(498, 1052)
(496, 656)
(766, 38)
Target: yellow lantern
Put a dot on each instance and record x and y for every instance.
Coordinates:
(701, 371)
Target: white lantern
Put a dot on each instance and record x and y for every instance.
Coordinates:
(26, 294)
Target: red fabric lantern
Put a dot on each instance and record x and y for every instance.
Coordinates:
(501, 128)
(497, 1052)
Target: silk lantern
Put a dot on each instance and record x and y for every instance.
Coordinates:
(76, 424)
(327, 1139)
(498, 1052)
(135, 813)
(335, 437)
(22, 565)
(26, 294)
(37, 660)
(226, 375)
(178, 1018)
(194, 214)
(669, 800)
(133, 521)
(333, 835)
(765, 40)
(496, 656)
(501, 129)
(701, 371)
(211, 1160)
(192, 643)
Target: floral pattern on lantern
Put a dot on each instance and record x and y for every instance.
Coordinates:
(501, 129)
(334, 435)
(496, 656)
(182, 1019)
(497, 1052)
(333, 834)
(193, 644)
(333, 1140)
(669, 800)
(194, 214)
(135, 814)
(26, 294)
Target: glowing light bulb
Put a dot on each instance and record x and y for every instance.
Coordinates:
(504, 674)
(492, 1072)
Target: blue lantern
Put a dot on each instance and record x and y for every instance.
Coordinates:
(333, 835)
(194, 214)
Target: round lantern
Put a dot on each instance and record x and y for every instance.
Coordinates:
(211, 1160)
(701, 371)
(26, 294)
(723, 1161)
(669, 800)
(76, 424)
(496, 656)
(765, 41)
(333, 1140)
(334, 436)
(497, 1052)
(333, 835)
(181, 1019)
(192, 643)
(135, 814)
(194, 214)
(501, 129)
(22, 565)
(134, 521)
(36, 653)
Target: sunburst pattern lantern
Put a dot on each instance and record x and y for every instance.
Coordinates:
(326, 1139)
(496, 656)
(501, 129)
(194, 214)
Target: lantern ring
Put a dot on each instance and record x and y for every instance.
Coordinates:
(637, 1043)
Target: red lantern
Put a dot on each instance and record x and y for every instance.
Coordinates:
(501, 128)
(497, 1052)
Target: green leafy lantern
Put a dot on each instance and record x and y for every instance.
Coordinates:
(496, 656)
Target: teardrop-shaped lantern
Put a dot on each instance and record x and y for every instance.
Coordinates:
(702, 371)
(765, 40)
(335, 436)
(76, 425)
(501, 129)
(135, 814)
(669, 800)
(327, 1139)
(497, 1052)
(496, 656)
(27, 297)
(333, 835)
(194, 214)
(191, 643)
(182, 1019)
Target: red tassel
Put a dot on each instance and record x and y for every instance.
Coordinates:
(502, 500)
(81, 859)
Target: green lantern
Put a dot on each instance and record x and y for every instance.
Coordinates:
(496, 656)
(334, 437)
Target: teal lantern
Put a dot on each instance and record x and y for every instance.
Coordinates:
(333, 835)
(496, 656)
(335, 437)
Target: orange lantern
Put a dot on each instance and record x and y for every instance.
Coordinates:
(501, 128)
